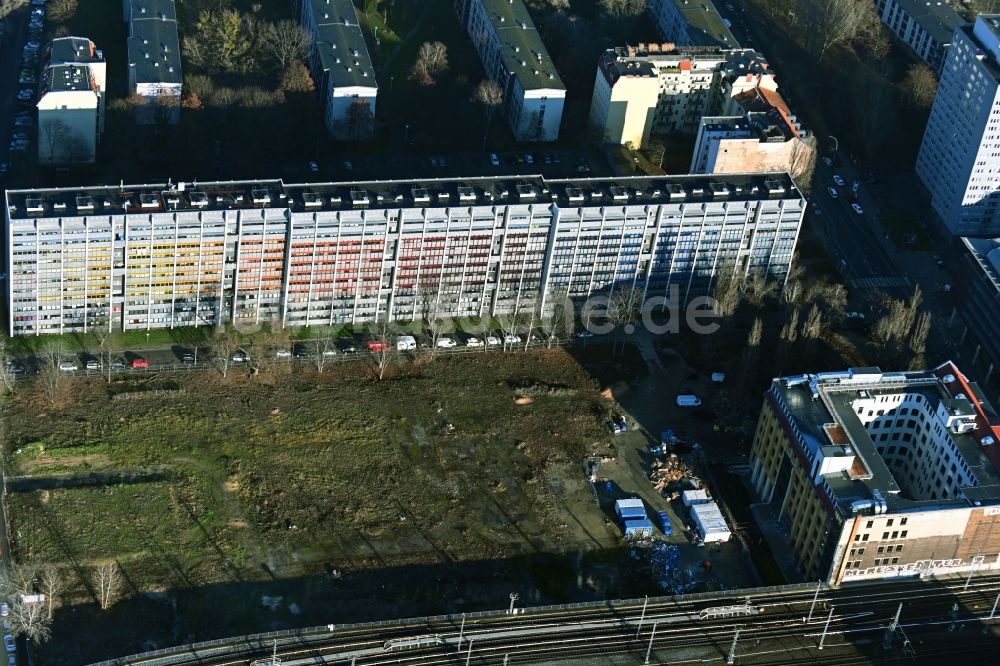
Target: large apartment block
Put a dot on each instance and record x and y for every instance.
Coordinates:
(341, 66)
(923, 25)
(691, 23)
(188, 254)
(978, 294)
(959, 158)
(515, 58)
(154, 59)
(877, 474)
(663, 88)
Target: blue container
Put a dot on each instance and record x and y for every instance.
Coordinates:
(607, 486)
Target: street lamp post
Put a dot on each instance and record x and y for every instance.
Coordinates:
(836, 143)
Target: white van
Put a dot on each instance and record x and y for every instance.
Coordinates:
(406, 342)
(688, 400)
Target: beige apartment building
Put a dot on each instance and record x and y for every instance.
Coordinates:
(877, 474)
(664, 88)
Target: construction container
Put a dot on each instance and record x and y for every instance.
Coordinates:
(630, 509)
(692, 497)
(638, 528)
(712, 526)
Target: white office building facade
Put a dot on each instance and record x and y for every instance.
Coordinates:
(959, 158)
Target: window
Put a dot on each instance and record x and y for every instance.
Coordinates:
(895, 560)
(899, 548)
(885, 535)
(902, 535)
(881, 549)
(888, 523)
(895, 535)
(902, 521)
(871, 524)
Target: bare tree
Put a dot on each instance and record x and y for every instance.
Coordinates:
(51, 583)
(622, 8)
(557, 317)
(52, 354)
(483, 328)
(7, 378)
(490, 95)
(757, 289)
(832, 22)
(813, 325)
(61, 10)
(803, 161)
(626, 303)
(751, 353)
(726, 292)
(920, 85)
(382, 352)
(286, 41)
(432, 62)
(322, 351)
(28, 619)
(224, 345)
(108, 583)
(107, 344)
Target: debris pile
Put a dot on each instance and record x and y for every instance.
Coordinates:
(663, 562)
(669, 471)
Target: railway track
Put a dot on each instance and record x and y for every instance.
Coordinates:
(544, 635)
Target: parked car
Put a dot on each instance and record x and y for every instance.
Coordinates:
(406, 342)
(837, 179)
(25, 94)
(23, 120)
(16, 369)
(688, 400)
(93, 365)
(492, 341)
(187, 358)
(378, 346)
(584, 334)
(69, 366)
(17, 146)
(240, 356)
(139, 364)
(856, 315)
(348, 166)
(446, 343)
(473, 342)
(4, 610)
(529, 158)
(512, 339)
(329, 351)
(832, 191)
(283, 353)
(494, 160)
(346, 346)
(119, 364)
(26, 78)
(8, 642)
(858, 209)
(313, 167)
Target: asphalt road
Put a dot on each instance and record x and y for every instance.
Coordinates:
(856, 237)
(10, 63)
(854, 624)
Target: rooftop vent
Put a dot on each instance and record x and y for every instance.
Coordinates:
(420, 195)
(525, 191)
(84, 203)
(359, 198)
(574, 194)
(466, 193)
(198, 199)
(311, 200)
(618, 193)
(148, 201)
(260, 196)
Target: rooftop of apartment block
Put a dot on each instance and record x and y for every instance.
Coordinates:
(521, 47)
(340, 43)
(153, 45)
(705, 26)
(936, 17)
(986, 253)
(821, 408)
(80, 50)
(66, 78)
(430, 193)
(764, 127)
(651, 59)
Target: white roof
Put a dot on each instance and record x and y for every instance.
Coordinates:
(627, 503)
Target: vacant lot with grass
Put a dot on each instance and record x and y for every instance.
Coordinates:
(297, 499)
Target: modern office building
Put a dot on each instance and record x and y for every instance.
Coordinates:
(341, 67)
(925, 26)
(765, 137)
(154, 59)
(187, 254)
(515, 58)
(978, 294)
(691, 23)
(881, 474)
(663, 88)
(959, 158)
